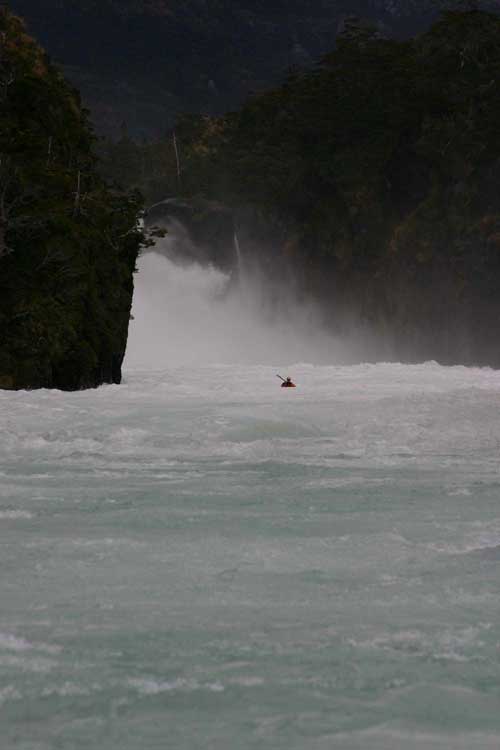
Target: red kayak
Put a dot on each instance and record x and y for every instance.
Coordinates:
(287, 383)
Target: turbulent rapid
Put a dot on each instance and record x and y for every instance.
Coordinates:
(200, 559)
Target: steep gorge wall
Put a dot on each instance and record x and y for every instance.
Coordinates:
(68, 244)
(378, 176)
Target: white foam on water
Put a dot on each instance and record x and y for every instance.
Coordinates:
(9, 642)
(9, 693)
(249, 681)
(68, 690)
(235, 565)
(36, 664)
(455, 645)
(150, 686)
(13, 515)
(477, 543)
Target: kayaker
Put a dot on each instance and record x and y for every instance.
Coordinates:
(288, 383)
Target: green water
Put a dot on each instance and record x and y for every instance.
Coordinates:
(200, 560)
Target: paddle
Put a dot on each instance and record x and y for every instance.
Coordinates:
(283, 379)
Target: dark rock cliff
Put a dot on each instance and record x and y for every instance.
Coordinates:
(68, 244)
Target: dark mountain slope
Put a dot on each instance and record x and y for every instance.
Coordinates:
(143, 61)
(377, 177)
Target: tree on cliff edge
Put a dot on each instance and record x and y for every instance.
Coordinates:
(68, 243)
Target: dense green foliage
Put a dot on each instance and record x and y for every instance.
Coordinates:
(68, 244)
(381, 170)
(385, 164)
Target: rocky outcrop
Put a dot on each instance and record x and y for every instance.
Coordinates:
(68, 243)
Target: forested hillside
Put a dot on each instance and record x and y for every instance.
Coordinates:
(144, 61)
(376, 174)
(372, 176)
(68, 244)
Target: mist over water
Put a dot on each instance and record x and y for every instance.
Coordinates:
(189, 314)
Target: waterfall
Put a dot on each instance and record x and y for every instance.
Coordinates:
(239, 258)
(187, 313)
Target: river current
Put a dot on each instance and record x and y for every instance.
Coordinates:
(198, 559)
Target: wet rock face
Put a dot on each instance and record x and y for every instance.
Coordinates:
(68, 243)
(77, 348)
(198, 231)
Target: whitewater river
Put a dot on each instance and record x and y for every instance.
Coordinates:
(199, 559)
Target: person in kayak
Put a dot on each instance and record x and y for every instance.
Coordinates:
(288, 383)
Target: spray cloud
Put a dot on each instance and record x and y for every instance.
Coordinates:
(193, 314)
